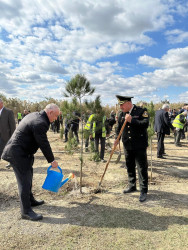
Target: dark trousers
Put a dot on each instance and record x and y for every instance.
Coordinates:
(137, 158)
(75, 133)
(56, 127)
(177, 136)
(67, 127)
(102, 142)
(24, 176)
(160, 144)
(87, 141)
(2, 145)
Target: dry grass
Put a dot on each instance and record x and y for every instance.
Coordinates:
(108, 220)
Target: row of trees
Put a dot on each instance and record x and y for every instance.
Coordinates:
(77, 88)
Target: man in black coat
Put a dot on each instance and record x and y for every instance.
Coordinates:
(30, 135)
(162, 127)
(74, 124)
(7, 126)
(135, 142)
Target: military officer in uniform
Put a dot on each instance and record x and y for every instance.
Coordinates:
(135, 142)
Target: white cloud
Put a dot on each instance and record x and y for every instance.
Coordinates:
(176, 36)
(122, 19)
(45, 41)
(172, 59)
(183, 97)
(46, 64)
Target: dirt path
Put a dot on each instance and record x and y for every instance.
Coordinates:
(108, 220)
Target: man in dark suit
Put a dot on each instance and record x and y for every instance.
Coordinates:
(162, 127)
(74, 124)
(135, 142)
(30, 135)
(7, 126)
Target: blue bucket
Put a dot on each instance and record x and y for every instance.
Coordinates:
(53, 180)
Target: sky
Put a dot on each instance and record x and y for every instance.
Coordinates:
(133, 48)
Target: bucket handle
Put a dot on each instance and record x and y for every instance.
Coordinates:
(51, 167)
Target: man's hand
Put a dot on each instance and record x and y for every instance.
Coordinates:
(128, 117)
(54, 164)
(116, 143)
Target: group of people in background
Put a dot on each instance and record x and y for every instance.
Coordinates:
(57, 124)
(165, 119)
(20, 115)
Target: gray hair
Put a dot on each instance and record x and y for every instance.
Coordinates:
(51, 106)
(165, 106)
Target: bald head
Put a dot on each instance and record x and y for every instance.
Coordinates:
(52, 111)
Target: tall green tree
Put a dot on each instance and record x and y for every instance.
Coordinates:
(79, 87)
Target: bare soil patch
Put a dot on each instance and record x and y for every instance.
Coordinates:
(107, 220)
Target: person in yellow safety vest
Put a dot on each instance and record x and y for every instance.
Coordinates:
(98, 127)
(178, 124)
(87, 130)
(19, 117)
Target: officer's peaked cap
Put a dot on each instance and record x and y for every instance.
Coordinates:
(122, 99)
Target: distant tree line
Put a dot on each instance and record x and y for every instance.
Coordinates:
(66, 107)
(18, 105)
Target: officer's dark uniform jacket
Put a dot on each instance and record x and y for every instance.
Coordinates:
(29, 136)
(134, 135)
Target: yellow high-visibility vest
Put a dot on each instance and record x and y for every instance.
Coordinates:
(19, 116)
(91, 121)
(103, 127)
(176, 123)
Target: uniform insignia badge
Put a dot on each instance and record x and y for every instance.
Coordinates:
(145, 114)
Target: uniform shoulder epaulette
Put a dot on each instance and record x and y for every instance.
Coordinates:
(145, 113)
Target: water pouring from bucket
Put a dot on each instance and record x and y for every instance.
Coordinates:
(53, 180)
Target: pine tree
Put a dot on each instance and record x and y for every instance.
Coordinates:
(79, 87)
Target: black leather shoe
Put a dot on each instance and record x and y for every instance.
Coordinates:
(129, 190)
(161, 157)
(31, 215)
(142, 197)
(35, 203)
